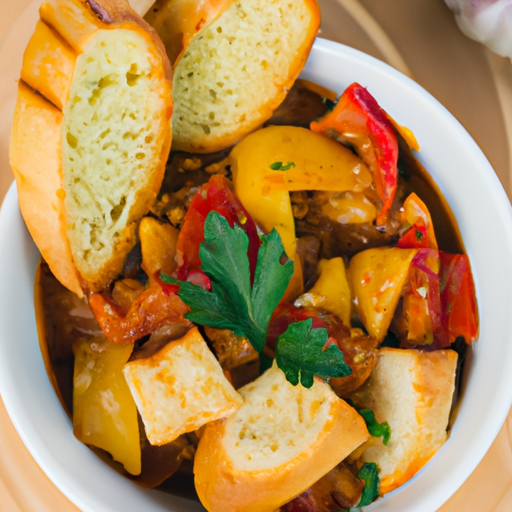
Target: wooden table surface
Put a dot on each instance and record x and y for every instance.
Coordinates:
(417, 37)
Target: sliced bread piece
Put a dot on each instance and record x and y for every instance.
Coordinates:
(237, 70)
(106, 73)
(177, 22)
(281, 441)
(411, 390)
(180, 388)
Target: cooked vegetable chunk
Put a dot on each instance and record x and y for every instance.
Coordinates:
(270, 163)
(104, 413)
(330, 291)
(377, 278)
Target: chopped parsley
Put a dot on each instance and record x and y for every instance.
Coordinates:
(279, 166)
(375, 428)
(369, 473)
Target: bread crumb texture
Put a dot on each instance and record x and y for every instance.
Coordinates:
(411, 390)
(110, 151)
(231, 75)
(180, 388)
(277, 422)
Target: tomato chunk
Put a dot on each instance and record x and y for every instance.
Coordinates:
(216, 195)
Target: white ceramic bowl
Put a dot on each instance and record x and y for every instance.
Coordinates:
(484, 216)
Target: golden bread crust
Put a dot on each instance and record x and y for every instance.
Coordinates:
(180, 388)
(412, 390)
(179, 21)
(204, 133)
(226, 485)
(35, 160)
(65, 31)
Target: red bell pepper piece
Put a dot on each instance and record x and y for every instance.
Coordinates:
(358, 119)
(149, 310)
(439, 302)
(458, 297)
(422, 309)
(418, 222)
(216, 195)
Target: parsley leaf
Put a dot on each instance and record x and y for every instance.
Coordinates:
(232, 303)
(370, 474)
(278, 166)
(301, 354)
(375, 428)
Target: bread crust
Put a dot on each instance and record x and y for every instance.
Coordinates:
(61, 36)
(37, 169)
(224, 487)
(179, 21)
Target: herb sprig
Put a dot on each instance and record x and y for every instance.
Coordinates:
(233, 303)
(313, 355)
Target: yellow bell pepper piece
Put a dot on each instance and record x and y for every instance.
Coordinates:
(331, 290)
(270, 163)
(104, 412)
(377, 277)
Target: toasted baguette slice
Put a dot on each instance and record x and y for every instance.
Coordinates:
(412, 391)
(180, 388)
(106, 74)
(177, 22)
(237, 70)
(281, 441)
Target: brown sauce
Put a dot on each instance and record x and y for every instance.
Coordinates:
(62, 317)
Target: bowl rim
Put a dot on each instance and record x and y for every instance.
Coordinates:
(44, 427)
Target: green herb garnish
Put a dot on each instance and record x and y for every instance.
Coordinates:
(279, 166)
(370, 474)
(301, 353)
(232, 303)
(375, 428)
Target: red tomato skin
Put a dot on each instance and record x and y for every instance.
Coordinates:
(216, 195)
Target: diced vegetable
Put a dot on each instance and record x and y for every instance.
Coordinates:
(418, 223)
(458, 297)
(216, 196)
(158, 245)
(377, 277)
(330, 291)
(104, 413)
(307, 161)
(358, 119)
(151, 309)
